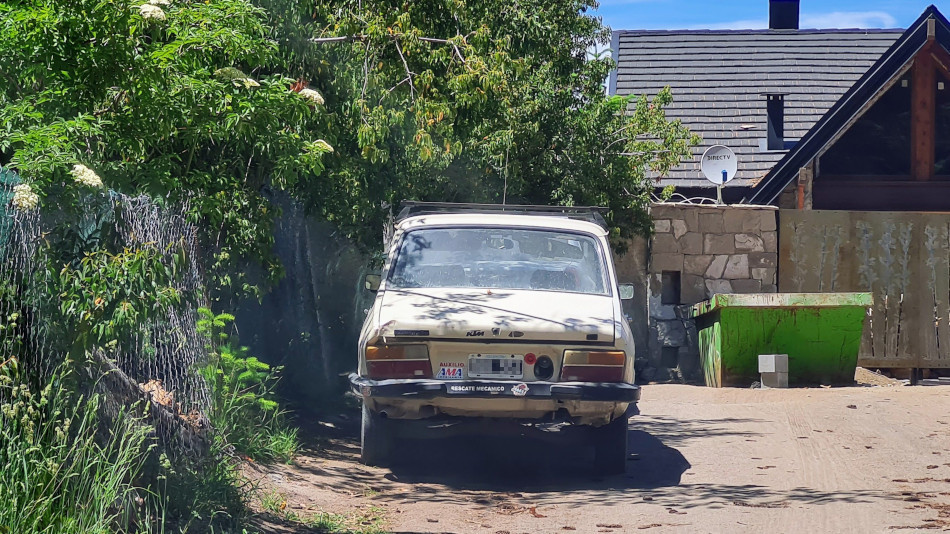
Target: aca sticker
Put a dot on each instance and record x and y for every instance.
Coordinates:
(519, 390)
(450, 371)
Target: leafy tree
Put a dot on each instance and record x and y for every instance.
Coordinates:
(167, 98)
(484, 100)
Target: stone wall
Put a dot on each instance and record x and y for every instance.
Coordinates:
(698, 251)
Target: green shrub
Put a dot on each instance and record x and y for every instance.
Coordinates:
(244, 410)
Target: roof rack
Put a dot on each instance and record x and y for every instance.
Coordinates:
(594, 214)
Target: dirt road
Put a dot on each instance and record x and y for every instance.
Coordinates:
(873, 459)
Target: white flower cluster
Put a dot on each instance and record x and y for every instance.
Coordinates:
(312, 95)
(151, 11)
(160, 2)
(236, 76)
(24, 198)
(320, 146)
(85, 176)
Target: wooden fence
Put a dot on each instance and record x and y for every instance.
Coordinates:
(902, 258)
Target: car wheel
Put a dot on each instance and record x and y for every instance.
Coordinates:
(610, 447)
(375, 439)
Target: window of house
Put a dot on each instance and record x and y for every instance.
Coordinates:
(879, 142)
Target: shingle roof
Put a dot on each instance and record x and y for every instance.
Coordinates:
(719, 78)
(849, 105)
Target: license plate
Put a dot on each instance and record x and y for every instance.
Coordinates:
(495, 366)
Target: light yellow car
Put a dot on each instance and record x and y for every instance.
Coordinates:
(502, 316)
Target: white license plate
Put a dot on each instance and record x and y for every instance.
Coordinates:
(496, 366)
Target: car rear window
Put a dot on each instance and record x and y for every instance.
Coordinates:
(502, 258)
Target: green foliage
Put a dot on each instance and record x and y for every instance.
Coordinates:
(473, 101)
(244, 409)
(61, 474)
(160, 106)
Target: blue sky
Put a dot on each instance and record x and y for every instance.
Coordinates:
(750, 14)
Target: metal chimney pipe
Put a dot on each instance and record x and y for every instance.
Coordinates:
(783, 14)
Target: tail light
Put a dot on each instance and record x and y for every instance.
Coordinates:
(593, 366)
(398, 361)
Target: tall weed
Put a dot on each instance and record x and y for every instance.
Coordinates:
(62, 474)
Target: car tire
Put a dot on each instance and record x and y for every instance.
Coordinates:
(375, 439)
(610, 447)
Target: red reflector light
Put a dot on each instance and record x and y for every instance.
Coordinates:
(588, 373)
(530, 358)
(382, 369)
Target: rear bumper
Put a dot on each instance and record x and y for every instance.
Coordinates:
(421, 389)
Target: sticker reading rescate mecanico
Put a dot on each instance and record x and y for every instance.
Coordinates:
(450, 371)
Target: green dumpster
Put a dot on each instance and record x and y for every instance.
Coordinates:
(820, 332)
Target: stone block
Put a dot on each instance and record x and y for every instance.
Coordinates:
(664, 243)
(679, 228)
(769, 288)
(737, 220)
(765, 275)
(747, 286)
(749, 243)
(717, 287)
(661, 226)
(692, 289)
(710, 222)
(767, 217)
(774, 380)
(691, 216)
(717, 266)
(671, 333)
(697, 264)
(763, 259)
(770, 241)
(691, 243)
(719, 244)
(666, 262)
(737, 267)
(662, 312)
(664, 211)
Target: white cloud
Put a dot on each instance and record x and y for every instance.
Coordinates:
(837, 19)
(849, 19)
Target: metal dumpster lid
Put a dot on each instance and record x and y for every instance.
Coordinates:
(781, 300)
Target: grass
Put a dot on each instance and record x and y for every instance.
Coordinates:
(367, 521)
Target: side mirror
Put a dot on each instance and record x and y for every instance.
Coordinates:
(626, 291)
(372, 282)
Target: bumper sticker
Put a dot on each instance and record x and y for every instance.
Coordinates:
(519, 390)
(450, 371)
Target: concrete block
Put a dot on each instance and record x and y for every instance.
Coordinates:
(661, 226)
(764, 274)
(719, 244)
(737, 267)
(691, 243)
(773, 363)
(770, 241)
(679, 228)
(774, 380)
(692, 289)
(717, 287)
(697, 264)
(740, 220)
(664, 243)
(746, 286)
(769, 288)
(710, 222)
(666, 262)
(768, 220)
(763, 259)
(749, 243)
(717, 266)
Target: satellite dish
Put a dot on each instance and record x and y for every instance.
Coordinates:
(719, 164)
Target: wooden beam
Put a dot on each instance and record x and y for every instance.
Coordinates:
(923, 114)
